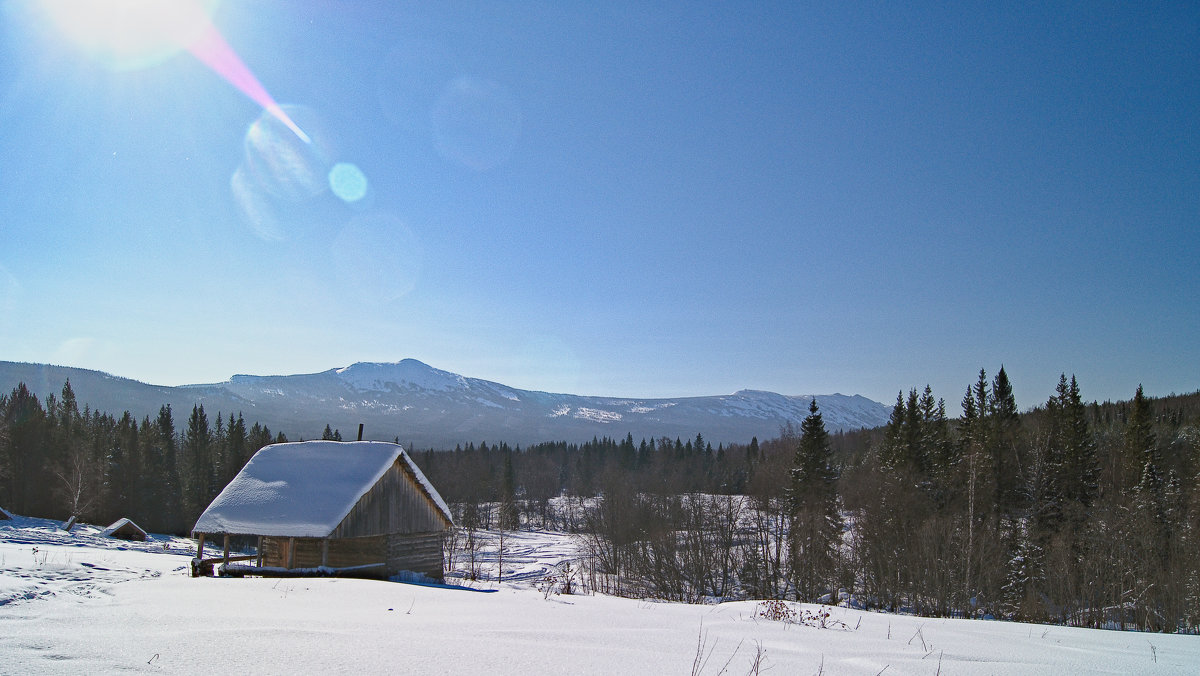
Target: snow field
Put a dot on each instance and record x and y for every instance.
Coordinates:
(86, 604)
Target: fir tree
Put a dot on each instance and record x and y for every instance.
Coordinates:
(1141, 444)
(219, 453)
(28, 430)
(509, 515)
(1083, 465)
(812, 502)
(1005, 449)
(975, 439)
(1079, 477)
(941, 452)
(124, 467)
(159, 490)
(894, 452)
(235, 448)
(198, 465)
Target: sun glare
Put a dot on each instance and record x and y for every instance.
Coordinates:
(130, 34)
(127, 34)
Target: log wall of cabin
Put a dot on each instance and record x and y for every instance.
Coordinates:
(343, 553)
(395, 504)
(418, 552)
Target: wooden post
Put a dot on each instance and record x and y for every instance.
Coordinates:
(226, 562)
(291, 557)
(258, 561)
(325, 552)
(198, 562)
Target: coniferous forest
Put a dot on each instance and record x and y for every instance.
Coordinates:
(58, 461)
(1086, 514)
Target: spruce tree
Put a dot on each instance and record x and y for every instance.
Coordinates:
(159, 491)
(28, 432)
(1006, 451)
(1049, 477)
(258, 437)
(1150, 499)
(812, 500)
(893, 453)
(1080, 478)
(1141, 444)
(198, 465)
(235, 448)
(509, 516)
(975, 439)
(1004, 404)
(124, 467)
(219, 453)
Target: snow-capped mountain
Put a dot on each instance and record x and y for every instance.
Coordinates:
(427, 407)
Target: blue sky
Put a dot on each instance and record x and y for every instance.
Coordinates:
(619, 199)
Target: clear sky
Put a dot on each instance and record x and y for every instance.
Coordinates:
(630, 199)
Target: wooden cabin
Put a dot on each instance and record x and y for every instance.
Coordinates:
(327, 507)
(4, 515)
(124, 529)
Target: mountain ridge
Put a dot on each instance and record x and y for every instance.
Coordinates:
(427, 407)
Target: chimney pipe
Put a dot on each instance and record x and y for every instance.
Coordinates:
(360, 426)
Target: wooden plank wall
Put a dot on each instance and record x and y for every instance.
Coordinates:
(342, 553)
(395, 504)
(420, 553)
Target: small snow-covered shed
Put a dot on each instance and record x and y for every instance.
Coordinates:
(125, 529)
(4, 515)
(362, 507)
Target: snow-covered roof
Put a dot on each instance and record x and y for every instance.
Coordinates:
(119, 524)
(304, 489)
(4, 515)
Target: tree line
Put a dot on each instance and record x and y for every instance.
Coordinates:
(58, 461)
(1071, 513)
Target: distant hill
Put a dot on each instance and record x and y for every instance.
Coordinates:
(431, 408)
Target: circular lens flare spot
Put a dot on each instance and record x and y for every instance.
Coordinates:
(347, 182)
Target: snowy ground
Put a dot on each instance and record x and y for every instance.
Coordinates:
(81, 603)
(528, 557)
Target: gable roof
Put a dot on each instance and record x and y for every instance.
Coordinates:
(123, 526)
(305, 489)
(4, 515)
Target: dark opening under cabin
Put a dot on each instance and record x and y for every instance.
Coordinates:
(358, 508)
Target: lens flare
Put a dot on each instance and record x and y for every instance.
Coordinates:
(285, 165)
(258, 211)
(212, 50)
(347, 182)
(129, 34)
